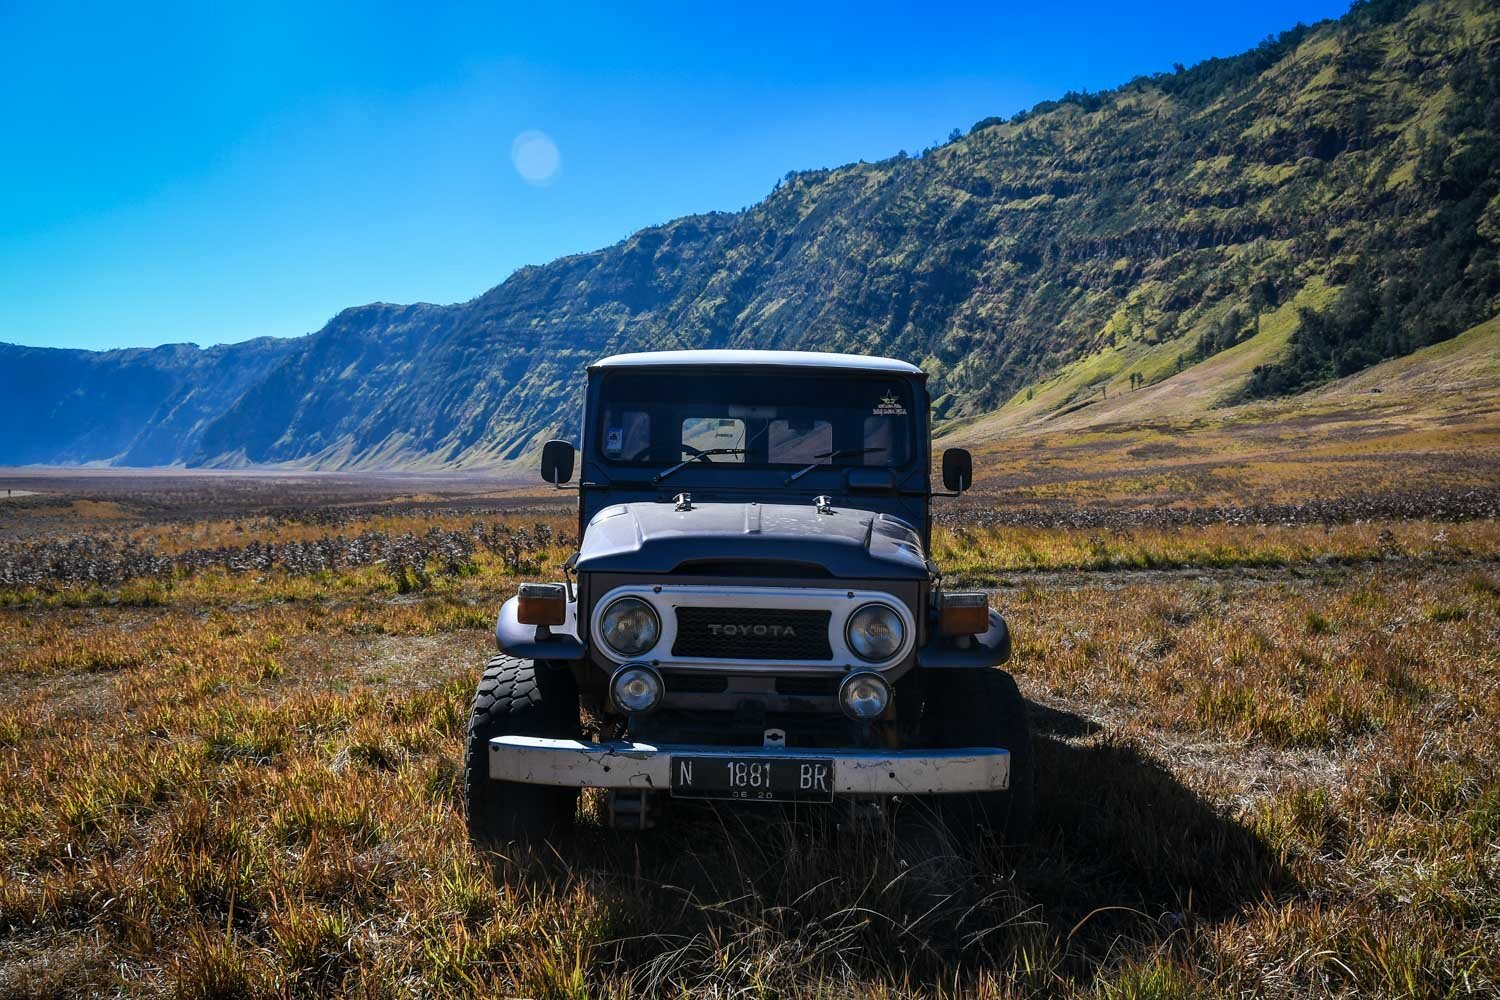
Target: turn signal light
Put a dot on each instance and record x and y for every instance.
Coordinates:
(964, 614)
(542, 604)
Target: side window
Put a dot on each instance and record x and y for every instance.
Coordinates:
(700, 434)
(627, 435)
(797, 442)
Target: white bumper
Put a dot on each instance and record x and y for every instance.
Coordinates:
(538, 761)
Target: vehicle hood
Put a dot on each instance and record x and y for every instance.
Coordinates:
(659, 538)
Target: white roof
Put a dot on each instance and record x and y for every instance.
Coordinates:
(799, 359)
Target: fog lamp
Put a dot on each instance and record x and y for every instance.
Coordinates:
(636, 688)
(864, 695)
(963, 614)
(541, 604)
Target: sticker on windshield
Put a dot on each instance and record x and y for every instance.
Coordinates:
(614, 440)
(890, 406)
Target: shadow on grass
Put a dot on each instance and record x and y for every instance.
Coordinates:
(1116, 829)
(1124, 857)
(1049, 721)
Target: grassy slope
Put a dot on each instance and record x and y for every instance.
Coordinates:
(1096, 389)
(1431, 417)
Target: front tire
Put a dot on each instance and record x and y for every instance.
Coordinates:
(518, 698)
(983, 707)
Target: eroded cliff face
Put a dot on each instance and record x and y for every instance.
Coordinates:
(1347, 175)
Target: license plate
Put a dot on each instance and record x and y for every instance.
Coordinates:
(753, 779)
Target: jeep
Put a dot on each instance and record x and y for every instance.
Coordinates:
(751, 614)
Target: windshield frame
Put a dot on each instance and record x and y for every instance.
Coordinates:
(906, 389)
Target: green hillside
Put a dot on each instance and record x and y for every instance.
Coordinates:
(1245, 228)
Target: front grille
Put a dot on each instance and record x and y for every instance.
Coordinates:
(752, 634)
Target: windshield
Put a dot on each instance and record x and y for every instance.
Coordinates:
(662, 419)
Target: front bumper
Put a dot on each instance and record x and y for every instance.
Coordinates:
(539, 761)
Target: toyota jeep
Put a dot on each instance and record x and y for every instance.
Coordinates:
(751, 614)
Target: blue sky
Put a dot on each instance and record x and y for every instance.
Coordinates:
(215, 172)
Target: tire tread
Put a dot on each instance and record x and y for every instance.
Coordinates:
(510, 700)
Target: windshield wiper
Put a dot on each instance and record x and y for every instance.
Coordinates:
(841, 453)
(702, 456)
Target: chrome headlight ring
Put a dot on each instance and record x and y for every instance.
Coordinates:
(875, 632)
(629, 626)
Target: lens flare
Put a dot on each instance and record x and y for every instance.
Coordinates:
(535, 157)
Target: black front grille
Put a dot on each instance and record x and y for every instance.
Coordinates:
(752, 634)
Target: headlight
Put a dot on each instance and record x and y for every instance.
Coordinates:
(864, 695)
(875, 632)
(629, 626)
(636, 687)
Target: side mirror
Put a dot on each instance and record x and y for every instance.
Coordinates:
(557, 462)
(958, 470)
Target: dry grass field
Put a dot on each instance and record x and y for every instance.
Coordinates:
(231, 722)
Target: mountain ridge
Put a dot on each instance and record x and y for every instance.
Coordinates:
(1340, 181)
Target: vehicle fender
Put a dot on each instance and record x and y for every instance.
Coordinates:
(557, 642)
(988, 650)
